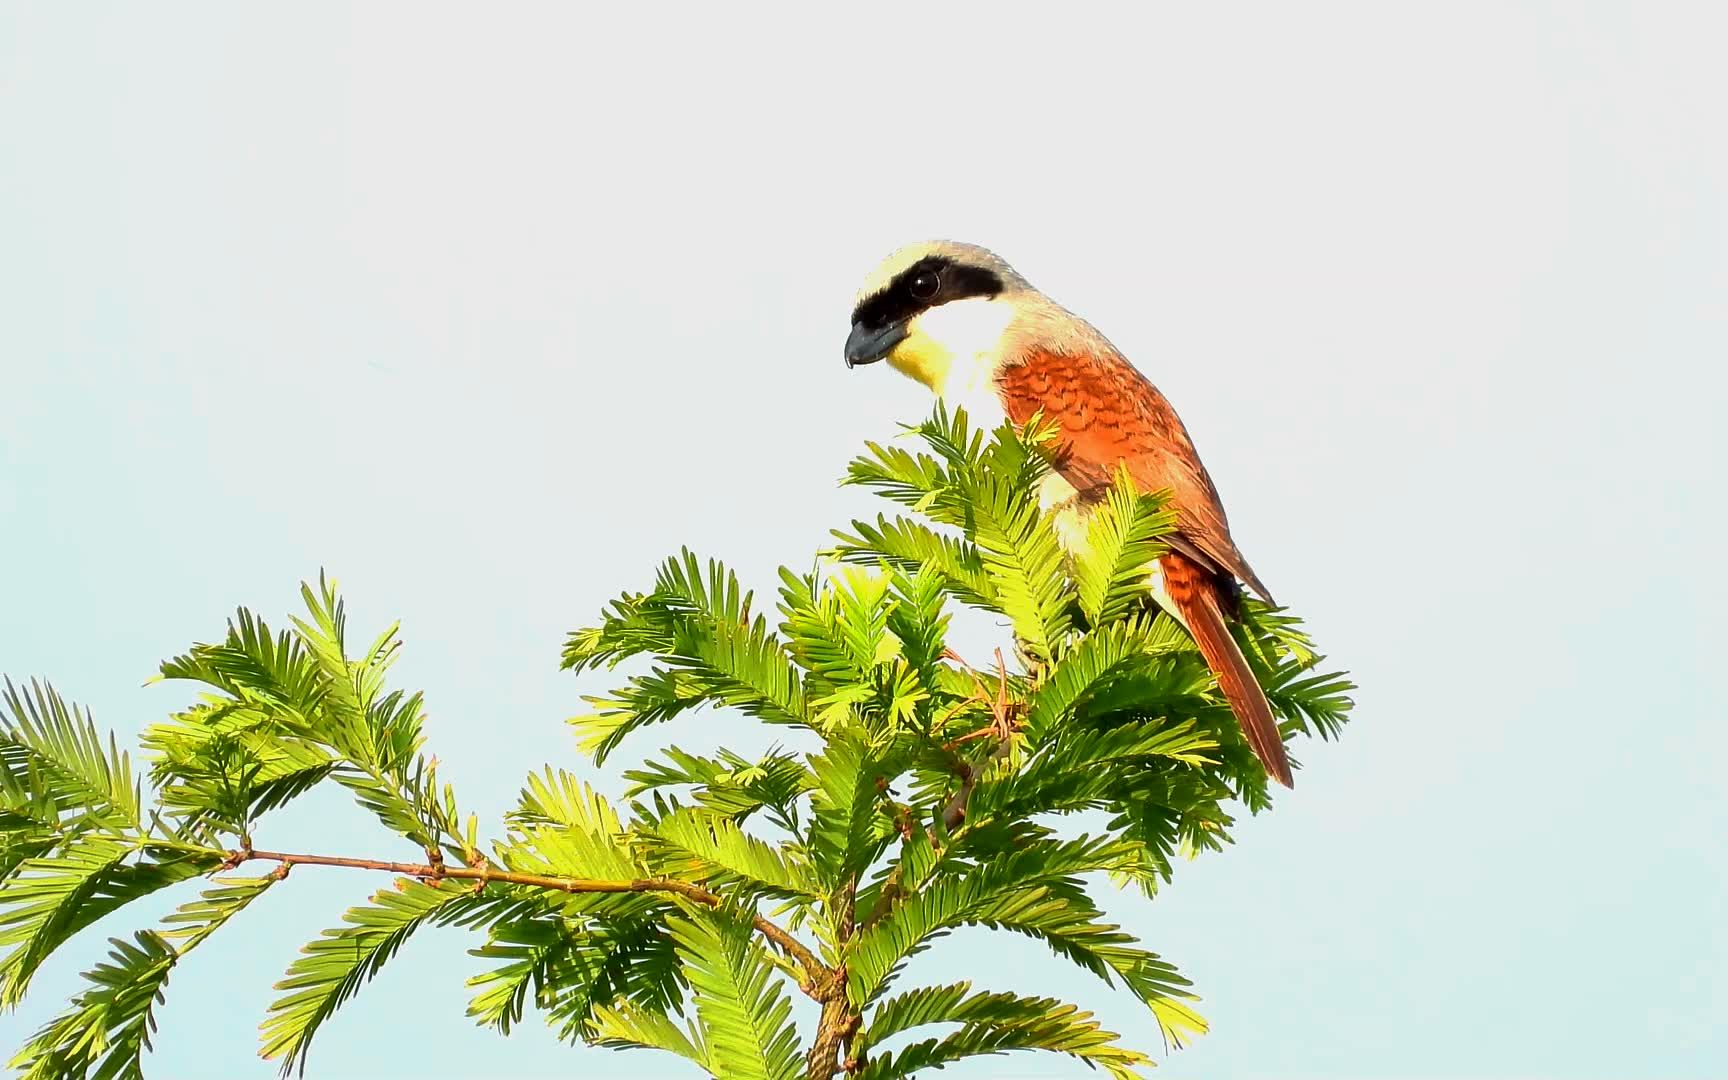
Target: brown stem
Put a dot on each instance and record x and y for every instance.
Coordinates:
(839, 1021)
(886, 897)
(954, 812)
(845, 910)
(816, 974)
(834, 1031)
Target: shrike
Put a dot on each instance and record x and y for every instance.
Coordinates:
(958, 319)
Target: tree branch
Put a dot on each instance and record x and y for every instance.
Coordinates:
(839, 1022)
(834, 1032)
(816, 974)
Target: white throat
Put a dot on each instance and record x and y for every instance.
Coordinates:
(955, 349)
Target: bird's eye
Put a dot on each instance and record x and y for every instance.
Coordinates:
(925, 285)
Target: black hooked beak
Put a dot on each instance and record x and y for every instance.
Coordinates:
(866, 345)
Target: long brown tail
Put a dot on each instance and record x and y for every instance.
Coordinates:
(1195, 595)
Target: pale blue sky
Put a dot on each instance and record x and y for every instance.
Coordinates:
(485, 313)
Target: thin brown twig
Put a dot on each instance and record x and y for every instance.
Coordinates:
(1001, 709)
(815, 972)
(981, 733)
(1001, 726)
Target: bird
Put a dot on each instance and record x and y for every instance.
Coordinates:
(959, 319)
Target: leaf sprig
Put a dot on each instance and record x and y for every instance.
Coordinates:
(929, 796)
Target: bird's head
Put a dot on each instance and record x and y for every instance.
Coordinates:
(930, 305)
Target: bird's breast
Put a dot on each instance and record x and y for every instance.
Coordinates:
(972, 386)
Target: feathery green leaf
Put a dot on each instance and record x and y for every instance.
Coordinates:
(51, 898)
(626, 1027)
(107, 1029)
(745, 1015)
(334, 967)
(698, 845)
(993, 1024)
(59, 741)
(1112, 572)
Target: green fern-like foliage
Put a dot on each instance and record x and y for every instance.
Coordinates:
(929, 796)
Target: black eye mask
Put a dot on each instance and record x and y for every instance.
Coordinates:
(900, 303)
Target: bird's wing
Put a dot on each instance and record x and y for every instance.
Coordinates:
(1108, 413)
